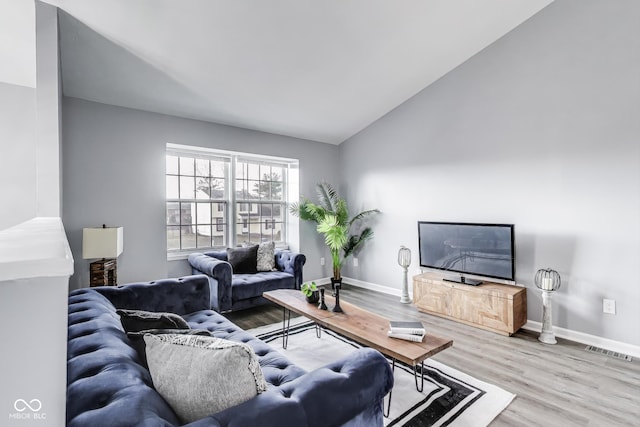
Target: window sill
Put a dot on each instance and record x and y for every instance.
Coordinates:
(178, 256)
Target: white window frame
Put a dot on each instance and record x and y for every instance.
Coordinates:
(289, 192)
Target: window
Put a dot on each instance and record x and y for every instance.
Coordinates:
(260, 188)
(217, 199)
(196, 201)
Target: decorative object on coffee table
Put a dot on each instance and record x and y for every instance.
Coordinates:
(335, 284)
(404, 260)
(337, 308)
(548, 281)
(322, 305)
(310, 291)
(106, 243)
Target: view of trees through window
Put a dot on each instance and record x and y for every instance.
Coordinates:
(207, 209)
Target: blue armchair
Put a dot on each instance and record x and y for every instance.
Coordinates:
(231, 292)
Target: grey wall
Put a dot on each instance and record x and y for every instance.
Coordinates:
(540, 130)
(114, 169)
(48, 99)
(18, 153)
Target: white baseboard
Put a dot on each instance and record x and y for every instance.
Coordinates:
(531, 325)
(588, 339)
(378, 288)
(361, 284)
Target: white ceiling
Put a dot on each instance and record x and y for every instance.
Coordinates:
(319, 70)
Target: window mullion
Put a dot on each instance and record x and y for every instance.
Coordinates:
(232, 211)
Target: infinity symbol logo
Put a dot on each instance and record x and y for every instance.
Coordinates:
(21, 405)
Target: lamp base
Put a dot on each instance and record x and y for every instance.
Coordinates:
(547, 335)
(547, 338)
(404, 299)
(103, 273)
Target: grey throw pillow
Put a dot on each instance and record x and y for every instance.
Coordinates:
(200, 376)
(137, 339)
(266, 256)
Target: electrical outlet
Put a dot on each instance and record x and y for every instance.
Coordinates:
(322, 261)
(609, 306)
(355, 262)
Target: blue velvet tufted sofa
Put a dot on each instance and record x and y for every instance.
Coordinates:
(231, 291)
(108, 386)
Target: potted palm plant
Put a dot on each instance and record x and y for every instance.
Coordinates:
(331, 216)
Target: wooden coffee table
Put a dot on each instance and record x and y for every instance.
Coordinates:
(362, 326)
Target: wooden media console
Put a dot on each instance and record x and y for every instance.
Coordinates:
(492, 306)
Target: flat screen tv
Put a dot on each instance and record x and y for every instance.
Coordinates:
(485, 250)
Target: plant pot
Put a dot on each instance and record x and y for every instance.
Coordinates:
(314, 298)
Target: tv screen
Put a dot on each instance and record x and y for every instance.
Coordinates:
(486, 250)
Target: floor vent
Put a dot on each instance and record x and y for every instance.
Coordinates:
(594, 349)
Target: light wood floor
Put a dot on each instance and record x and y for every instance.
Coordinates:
(556, 385)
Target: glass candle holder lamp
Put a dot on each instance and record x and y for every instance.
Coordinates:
(548, 281)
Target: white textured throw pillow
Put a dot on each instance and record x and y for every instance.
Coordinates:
(199, 376)
(266, 256)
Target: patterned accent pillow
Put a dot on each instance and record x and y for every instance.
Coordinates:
(136, 339)
(200, 376)
(266, 256)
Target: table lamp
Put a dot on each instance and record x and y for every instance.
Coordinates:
(104, 243)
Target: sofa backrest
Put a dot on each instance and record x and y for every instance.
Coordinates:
(221, 255)
(106, 384)
(181, 296)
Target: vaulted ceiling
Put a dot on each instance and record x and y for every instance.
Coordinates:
(318, 70)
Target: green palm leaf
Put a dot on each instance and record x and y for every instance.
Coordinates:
(363, 214)
(332, 218)
(327, 195)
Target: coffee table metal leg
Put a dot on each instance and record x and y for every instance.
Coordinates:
(318, 330)
(415, 376)
(286, 320)
(385, 412)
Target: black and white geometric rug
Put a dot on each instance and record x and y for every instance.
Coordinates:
(449, 398)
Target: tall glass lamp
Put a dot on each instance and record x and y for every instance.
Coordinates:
(548, 281)
(404, 259)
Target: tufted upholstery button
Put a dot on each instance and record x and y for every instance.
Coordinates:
(286, 393)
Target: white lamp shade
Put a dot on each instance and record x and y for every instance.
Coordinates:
(102, 242)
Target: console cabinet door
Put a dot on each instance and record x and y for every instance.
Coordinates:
(484, 309)
(433, 297)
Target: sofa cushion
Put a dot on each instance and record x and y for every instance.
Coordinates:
(243, 260)
(246, 286)
(199, 376)
(140, 320)
(266, 256)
